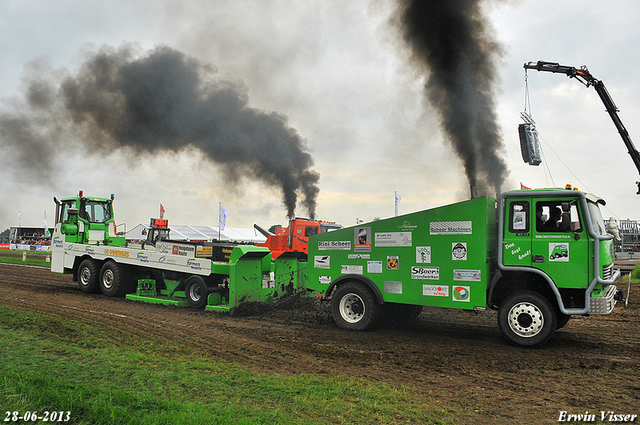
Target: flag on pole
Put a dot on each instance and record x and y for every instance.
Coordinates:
(46, 227)
(398, 198)
(523, 187)
(162, 212)
(223, 217)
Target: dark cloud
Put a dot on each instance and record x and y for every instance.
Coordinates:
(451, 41)
(163, 100)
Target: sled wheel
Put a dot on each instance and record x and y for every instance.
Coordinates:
(196, 292)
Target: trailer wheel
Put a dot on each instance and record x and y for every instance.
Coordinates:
(88, 276)
(354, 307)
(527, 319)
(196, 292)
(113, 280)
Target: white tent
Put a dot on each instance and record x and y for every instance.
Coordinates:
(201, 233)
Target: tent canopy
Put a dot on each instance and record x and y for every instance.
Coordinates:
(201, 233)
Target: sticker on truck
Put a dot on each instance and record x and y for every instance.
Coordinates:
(435, 291)
(459, 251)
(393, 239)
(420, 272)
(334, 245)
(322, 262)
(467, 275)
(450, 228)
(374, 266)
(362, 237)
(462, 293)
(392, 287)
(348, 269)
(559, 252)
(423, 254)
(393, 262)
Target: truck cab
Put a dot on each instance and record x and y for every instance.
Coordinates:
(295, 237)
(553, 243)
(86, 220)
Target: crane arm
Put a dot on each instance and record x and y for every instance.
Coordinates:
(583, 75)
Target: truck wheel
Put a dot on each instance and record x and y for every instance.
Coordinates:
(354, 307)
(196, 292)
(88, 276)
(527, 319)
(113, 282)
(401, 312)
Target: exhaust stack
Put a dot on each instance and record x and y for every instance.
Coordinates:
(474, 191)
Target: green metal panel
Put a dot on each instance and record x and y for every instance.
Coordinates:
(440, 257)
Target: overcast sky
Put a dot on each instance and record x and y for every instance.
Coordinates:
(340, 72)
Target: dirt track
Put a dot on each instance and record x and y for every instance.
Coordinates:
(456, 359)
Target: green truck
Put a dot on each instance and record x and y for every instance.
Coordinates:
(472, 255)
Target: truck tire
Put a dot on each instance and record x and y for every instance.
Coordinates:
(401, 312)
(113, 279)
(354, 307)
(88, 273)
(196, 292)
(527, 319)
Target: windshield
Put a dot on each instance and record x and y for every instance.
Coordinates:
(326, 227)
(95, 211)
(596, 219)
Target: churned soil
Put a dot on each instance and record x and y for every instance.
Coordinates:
(452, 358)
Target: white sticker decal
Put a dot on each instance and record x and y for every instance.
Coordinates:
(348, 269)
(322, 261)
(359, 256)
(450, 228)
(435, 291)
(393, 239)
(419, 272)
(374, 266)
(559, 252)
(467, 275)
(519, 220)
(334, 245)
(391, 287)
(423, 254)
(459, 251)
(462, 293)
(325, 280)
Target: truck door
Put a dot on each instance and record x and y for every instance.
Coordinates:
(516, 246)
(561, 251)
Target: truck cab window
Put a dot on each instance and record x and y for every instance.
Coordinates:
(95, 212)
(549, 218)
(66, 205)
(308, 231)
(519, 217)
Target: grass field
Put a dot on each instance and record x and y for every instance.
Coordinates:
(7, 256)
(53, 365)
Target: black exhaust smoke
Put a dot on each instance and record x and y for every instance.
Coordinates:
(451, 42)
(164, 100)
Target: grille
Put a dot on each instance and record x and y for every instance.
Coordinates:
(607, 271)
